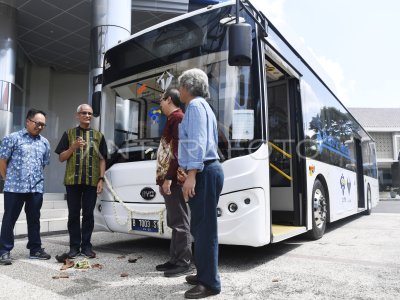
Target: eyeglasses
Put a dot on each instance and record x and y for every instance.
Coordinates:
(84, 113)
(38, 124)
(163, 99)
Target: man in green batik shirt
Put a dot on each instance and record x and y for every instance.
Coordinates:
(85, 151)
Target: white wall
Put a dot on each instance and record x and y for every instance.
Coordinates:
(58, 94)
(384, 145)
(38, 92)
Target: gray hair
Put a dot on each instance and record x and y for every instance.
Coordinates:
(78, 109)
(195, 81)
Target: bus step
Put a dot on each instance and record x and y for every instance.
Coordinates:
(283, 232)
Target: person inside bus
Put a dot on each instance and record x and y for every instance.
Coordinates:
(177, 210)
(85, 151)
(198, 142)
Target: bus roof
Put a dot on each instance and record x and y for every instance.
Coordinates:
(299, 48)
(177, 18)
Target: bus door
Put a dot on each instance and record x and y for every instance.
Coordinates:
(287, 169)
(360, 173)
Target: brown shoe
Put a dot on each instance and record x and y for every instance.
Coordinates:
(88, 253)
(200, 291)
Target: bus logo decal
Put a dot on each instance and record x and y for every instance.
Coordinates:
(164, 81)
(107, 65)
(342, 184)
(348, 185)
(147, 193)
(311, 168)
(141, 88)
(154, 114)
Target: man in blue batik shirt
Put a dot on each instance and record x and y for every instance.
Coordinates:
(23, 156)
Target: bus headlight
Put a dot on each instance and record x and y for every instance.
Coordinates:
(232, 207)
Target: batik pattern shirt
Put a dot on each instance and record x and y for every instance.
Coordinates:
(83, 167)
(167, 154)
(27, 156)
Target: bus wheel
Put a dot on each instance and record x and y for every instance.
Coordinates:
(369, 202)
(319, 211)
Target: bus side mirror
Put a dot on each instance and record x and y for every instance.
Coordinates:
(240, 43)
(96, 103)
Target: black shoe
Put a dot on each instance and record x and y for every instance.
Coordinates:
(73, 253)
(5, 259)
(88, 253)
(165, 267)
(177, 271)
(200, 291)
(40, 254)
(192, 279)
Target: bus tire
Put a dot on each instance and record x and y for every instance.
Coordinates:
(369, 201)
(319, 211)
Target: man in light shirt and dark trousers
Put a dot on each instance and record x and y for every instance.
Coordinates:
(198, 143)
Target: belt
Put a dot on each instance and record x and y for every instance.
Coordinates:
(208, 162)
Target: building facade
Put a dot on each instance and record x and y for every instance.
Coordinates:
(51, 52)
(383, 124)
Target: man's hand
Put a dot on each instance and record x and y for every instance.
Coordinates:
(3, 168)
(99, 186)
(188, 188)
(166, 187)
(79, 142)
(65, 155)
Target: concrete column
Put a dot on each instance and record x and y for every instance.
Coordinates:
(111, 22)
(8, 51)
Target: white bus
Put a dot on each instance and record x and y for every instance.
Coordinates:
(293, 156)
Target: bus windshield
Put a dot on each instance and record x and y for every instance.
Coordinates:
(151, 66)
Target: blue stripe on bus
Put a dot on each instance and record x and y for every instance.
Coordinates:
(323, 145)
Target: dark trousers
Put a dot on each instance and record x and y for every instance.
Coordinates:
(80, 197)
(180, 249)
(203, 207)
(13, 203)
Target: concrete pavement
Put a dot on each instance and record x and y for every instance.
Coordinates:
(358, 258)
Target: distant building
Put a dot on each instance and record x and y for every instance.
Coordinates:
(383, 124)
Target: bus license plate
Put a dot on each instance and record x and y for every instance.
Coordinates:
(145, 225)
